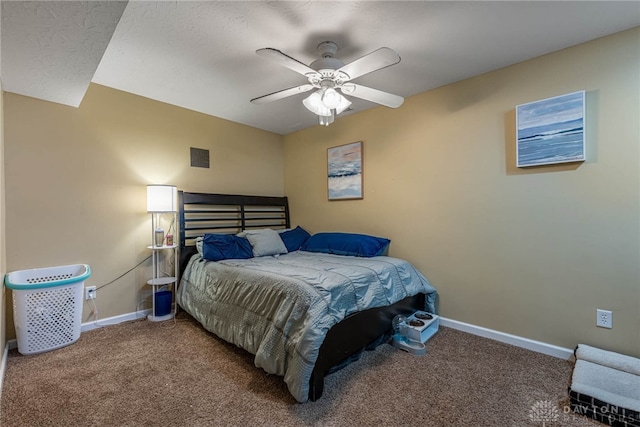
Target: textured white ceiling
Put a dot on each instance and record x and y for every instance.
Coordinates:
(201, 55)
(51, 49)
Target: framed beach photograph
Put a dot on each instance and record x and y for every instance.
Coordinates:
(344, 171)
(551, 131)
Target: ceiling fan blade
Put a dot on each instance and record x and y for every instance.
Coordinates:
(376, 60)
(282, 94)
(286, 60)
(373, 95)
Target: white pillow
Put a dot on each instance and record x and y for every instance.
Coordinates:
(199, 245)
(265, 242)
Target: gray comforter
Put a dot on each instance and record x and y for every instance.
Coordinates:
(280, 308)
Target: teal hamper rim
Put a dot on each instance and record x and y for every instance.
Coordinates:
(51, 284)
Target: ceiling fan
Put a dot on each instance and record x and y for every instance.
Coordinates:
(333, 78)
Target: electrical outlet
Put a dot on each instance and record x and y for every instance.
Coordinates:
(90, 292)
(604, 318)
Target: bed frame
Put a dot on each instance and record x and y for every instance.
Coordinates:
(202, 213)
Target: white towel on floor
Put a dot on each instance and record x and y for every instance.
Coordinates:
(608, 358)
(618, 388)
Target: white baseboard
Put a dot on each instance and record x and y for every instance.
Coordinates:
(3, 366)
(88, 326)
(537, 346)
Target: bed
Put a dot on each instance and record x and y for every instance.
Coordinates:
(302, 314)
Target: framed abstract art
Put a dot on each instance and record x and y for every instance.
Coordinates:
(551, 130)
(344, 172)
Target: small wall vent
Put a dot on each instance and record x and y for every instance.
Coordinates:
(199, 158)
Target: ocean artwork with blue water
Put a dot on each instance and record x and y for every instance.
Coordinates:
(344, 171)
(551, 130)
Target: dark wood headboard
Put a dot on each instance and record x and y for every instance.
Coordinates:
(202, 213)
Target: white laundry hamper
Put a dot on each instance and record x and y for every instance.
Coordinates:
(47, 306)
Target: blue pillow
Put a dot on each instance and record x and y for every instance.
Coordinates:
(216, 247)
(360, 245)
(295, 238)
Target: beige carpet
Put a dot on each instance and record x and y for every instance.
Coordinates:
(176, 374)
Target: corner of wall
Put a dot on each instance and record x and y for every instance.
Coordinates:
(3, 258)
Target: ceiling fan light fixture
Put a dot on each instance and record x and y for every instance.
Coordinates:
(327, 120)
(332, 78)
(316, 104)
(331, 98)
(343, 105)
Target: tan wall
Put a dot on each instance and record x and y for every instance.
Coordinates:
(76, 181)
(3, 256)
(528, 252)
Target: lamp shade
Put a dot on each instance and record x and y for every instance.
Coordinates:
(162, 198)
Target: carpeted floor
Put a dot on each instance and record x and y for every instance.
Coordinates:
(175, 373)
